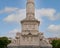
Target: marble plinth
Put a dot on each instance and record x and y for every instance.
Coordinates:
(28, 47)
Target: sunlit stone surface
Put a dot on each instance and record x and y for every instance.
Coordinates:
(30, 37)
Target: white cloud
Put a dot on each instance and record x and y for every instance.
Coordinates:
(54, 28)
(12, 33)
(39, 13)
(48, 12)
(8, 10)
(16, 17)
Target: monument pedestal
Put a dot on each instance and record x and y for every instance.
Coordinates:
(30, 37)
(28, 47)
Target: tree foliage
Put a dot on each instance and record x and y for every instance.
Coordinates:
(56, 43)
(4, 41)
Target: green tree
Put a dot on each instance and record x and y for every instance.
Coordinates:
(56, 43)
(4, 41)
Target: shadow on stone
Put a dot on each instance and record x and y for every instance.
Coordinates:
(27, 47)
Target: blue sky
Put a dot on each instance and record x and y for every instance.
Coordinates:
(13, 11)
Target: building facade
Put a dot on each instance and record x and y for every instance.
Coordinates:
(30, 35)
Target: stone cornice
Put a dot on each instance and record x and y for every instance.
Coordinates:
(26, 20)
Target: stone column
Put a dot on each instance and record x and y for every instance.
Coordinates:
(30, 11)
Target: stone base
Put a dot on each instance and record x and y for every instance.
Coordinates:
(27, 47)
